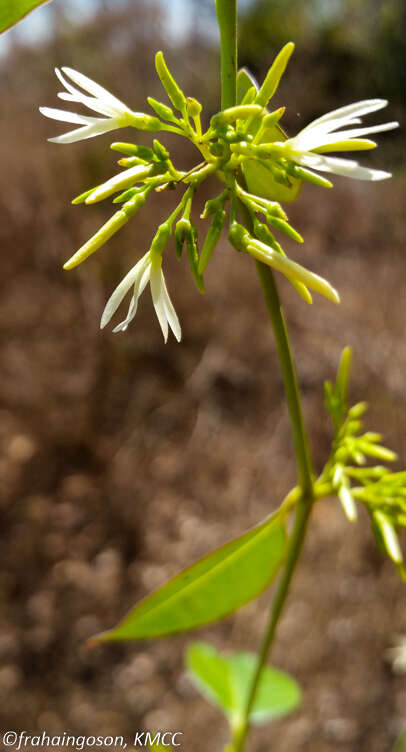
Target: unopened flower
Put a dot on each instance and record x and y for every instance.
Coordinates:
(148, 269)
(397, 654)
(325, 135)
(96, 98)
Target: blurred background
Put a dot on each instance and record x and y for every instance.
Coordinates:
(123, 460)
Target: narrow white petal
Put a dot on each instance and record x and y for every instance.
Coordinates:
(80, 134)
(90, 102)
(68, 86)
(171, 314)
(337, 136)
(93, 88)
(156, 279)
(357, 109)
(65, 116)
(139, 288)
(130, 279)
(311, 131)
(347, 167)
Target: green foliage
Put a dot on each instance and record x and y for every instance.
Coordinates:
(225, 681)
(12, 11)
(212, 588)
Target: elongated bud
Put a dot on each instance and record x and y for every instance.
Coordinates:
(172, 89)
(389, 537)
(83, 196)
(211, 239)
(283, 226)
(343, 373)
(131, 161)
(133, 175)
(358, 410)
(240, 112)
(109, 229)
(164, 112)
(348, 503)
(292, 270)
(160, 151)
(310, 177)
(274, 75)
(263, 233)
(193, 258)
(133, 150)
(380, 452)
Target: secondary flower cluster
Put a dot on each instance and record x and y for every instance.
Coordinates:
(381, 492)
(245, 146)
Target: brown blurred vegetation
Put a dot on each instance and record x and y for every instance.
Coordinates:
(122, 460)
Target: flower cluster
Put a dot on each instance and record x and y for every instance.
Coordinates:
(381, 492)
(245, 146)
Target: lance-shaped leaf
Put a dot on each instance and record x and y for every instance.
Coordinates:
(226, 681)
(210, 589)
(12, 11)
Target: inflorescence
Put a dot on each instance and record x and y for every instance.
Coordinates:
(244, 146)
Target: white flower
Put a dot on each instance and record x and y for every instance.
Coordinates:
(116, 113)
(148, 269)
(325, 134)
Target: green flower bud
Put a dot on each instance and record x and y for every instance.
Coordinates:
(274, 75)
(133, 150)
(211, 239)
(239, 112)
(160, 151)
(172, 89)
(164, 112)
(193, 107)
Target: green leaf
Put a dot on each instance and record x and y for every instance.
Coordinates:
(210, 589)
(12, 11)
(226, 682)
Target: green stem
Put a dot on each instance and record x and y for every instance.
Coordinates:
(289, 377)
(303, 510)
(304, 505)
(227, 21)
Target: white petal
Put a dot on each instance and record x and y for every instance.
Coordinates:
(139, 288)
(337, 136)
(132, 278)
(347, 167)
(356, 109)
(90, 102)
(67, 117)
(93, 88)
(171, 314)
(312, 130)
(156, 280)
(80, 134)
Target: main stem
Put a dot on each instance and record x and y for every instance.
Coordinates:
(227, 20)
(304, 505)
